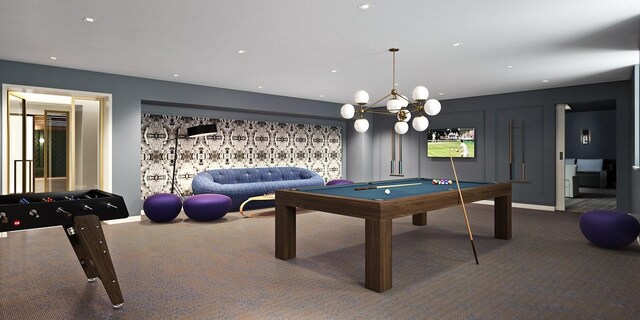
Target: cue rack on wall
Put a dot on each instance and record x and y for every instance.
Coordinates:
(512, 141)
(396, 154)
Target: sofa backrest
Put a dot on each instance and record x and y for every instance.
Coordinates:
(590, 165)
(248, 175)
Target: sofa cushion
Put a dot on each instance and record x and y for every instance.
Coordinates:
(590, 165)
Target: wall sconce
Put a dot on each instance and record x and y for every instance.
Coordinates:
(586, 136)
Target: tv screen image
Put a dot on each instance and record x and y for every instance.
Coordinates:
(457, 142)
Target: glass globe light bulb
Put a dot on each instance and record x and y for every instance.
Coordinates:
(361, 97)
(394, 105)
(404, 102)
(420, 93)
(401, 127)
(347, 111)
(432, 107)
(361, 125)
(420, 123)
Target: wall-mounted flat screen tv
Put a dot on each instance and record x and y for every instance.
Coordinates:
(455, 142)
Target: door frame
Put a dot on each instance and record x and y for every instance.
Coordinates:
(560, 155)
(106, 181)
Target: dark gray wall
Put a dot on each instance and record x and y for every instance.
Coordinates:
(128, 94)
(601, 125)
(490, 116)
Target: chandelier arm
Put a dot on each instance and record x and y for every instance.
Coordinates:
(381, 112)
(373, 105)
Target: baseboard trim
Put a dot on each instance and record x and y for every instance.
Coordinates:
(521, 205)
(124, 220)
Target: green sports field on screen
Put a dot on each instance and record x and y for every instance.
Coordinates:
(441, 149)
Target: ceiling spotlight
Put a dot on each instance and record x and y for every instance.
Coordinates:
(53, 58)
(456, 44)
(322, 96)
(88, 19)
(365, 6)
(241, 51)
(509, 67)
(545, 81)
(440, 93)
(334, 71)
(176, 75)
(259, 87)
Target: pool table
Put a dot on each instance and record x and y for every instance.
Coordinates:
(369, 201)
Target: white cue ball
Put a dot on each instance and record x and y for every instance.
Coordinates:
(387, 191)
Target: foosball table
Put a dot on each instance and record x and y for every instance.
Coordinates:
(79, 213)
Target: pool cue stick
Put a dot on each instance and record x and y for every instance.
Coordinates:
(464, 209)
(387, 186)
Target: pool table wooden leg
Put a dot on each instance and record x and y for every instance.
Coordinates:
(502, 217)
(420, 219)
(285, 232)
(377, 266)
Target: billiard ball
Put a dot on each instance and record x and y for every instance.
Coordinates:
(450, 182)
(434, 181)
(387, 191)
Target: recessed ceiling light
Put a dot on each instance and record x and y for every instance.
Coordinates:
(241, 51)
(259, 87)
(176, 75)
(53, 58)
(456, 44)
(365, 6)
(441, 93)
(334, 71)
(545, 80)
(322, 96)
(509, 66)
(88, 19)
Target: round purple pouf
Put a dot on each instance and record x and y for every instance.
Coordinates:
(609, 229)
(339, 181)
(162, 207)
(206, 207)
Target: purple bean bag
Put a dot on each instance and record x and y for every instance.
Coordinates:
(162, 207)
(339, 181)
(609, 229)
(207, 207)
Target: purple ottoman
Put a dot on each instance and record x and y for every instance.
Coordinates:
(162, 207)
(207, 207)
(609, 229)
(339, 181)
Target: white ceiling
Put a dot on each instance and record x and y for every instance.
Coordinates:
(292, 46)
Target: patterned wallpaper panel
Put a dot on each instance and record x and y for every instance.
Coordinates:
(237, 144)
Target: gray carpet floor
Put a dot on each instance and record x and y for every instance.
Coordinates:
(227, 270)
(590, 199)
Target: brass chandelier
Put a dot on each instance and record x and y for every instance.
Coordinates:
(397, 105)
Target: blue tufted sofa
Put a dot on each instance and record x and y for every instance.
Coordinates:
(241, 184)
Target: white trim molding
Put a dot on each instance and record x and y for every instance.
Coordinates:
(521, 205)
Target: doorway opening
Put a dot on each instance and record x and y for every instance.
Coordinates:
(590, 161)
(55, 140)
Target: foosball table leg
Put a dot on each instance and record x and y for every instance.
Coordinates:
(90, 246)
